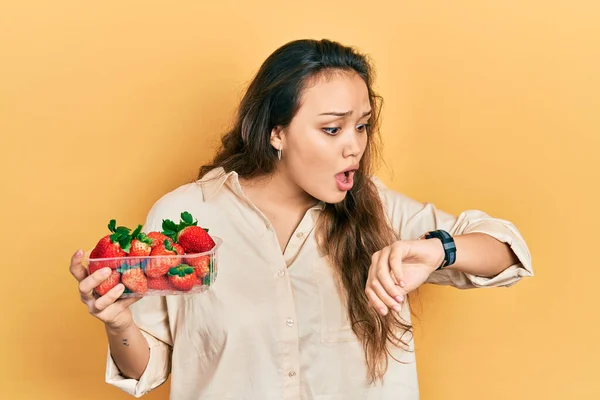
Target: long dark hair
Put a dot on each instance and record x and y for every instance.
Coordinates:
(349, 232)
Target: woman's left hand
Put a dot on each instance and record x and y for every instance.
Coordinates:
(400, 268)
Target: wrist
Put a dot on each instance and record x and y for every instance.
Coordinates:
(445, 253)
(117, 329)
(437, 253)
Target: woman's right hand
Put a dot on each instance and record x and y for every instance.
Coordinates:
(111, 310)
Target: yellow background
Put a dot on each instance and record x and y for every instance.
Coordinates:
(105, 106)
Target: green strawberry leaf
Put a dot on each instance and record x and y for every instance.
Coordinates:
(187, 217)
(205, 230)
(187, 220)
(111, 225)
(181, 270)
(169, 246)
(125, 267)
(169, 225)
(169, 233)
(125, 243)
(170, 229)
(137, 232)
(142, 237)
(174, 271)
(123, 230)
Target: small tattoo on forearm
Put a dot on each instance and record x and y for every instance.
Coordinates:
(125, 343)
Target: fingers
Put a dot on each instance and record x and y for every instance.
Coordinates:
(108, 307)
(381, 290)
(87, 285)
(385, 277)
(76, 268)
(109, 298)
(380, 300)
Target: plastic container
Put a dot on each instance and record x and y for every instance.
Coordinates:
(163, 275)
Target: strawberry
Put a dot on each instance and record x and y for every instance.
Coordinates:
(96, 265)
(157, 238)
(194, 239)
(140, 243)
(200, 263)
(182, 277)
(188, 234)
(139, 248)
(114, 245)
(135, 280)
(159, 283)
(113, 280)
(160, 266)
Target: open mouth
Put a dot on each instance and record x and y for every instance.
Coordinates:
(345, 180)
(347, 175)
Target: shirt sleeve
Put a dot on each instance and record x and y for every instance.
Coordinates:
(411, 219)
(151, 316)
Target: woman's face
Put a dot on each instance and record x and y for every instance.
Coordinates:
(323, 145)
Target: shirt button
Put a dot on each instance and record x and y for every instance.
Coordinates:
(292, 374)
(281, 273)
(299, 235)
(289, 322)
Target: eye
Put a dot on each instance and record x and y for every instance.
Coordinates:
(363, 127)
(332, 131)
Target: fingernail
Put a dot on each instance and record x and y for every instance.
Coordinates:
(106, 271)
(383, 311)
(402, 284)
(79, 253)
(399, 299)
(397, 308)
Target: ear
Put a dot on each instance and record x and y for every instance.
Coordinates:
(277, 135)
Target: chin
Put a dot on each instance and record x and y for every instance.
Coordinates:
(332, 197)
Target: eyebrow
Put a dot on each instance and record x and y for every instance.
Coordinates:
(343, 114)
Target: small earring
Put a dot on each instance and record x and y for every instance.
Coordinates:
(279, 153)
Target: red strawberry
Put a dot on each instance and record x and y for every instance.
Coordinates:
(157, 238)
(195, 240)
(182, 277)
(159, 283)
(200, 263)
(188, 234)
(135, 280)
(113, 280)
(114, 245)
(139, 249)
(160, 266)
(96, 265)
(140, 245)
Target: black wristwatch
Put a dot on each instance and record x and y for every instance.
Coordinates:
(447, 243)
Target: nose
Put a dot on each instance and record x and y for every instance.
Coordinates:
(352, 145)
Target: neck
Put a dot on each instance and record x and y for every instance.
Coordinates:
(277, 190)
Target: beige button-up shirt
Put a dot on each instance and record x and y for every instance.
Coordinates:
(274, 326)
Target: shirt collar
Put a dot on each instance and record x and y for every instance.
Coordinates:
(213, 181)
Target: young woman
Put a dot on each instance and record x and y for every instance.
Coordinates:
(318, 257)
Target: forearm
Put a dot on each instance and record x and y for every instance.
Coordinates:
(482, 255)
(129, 350)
